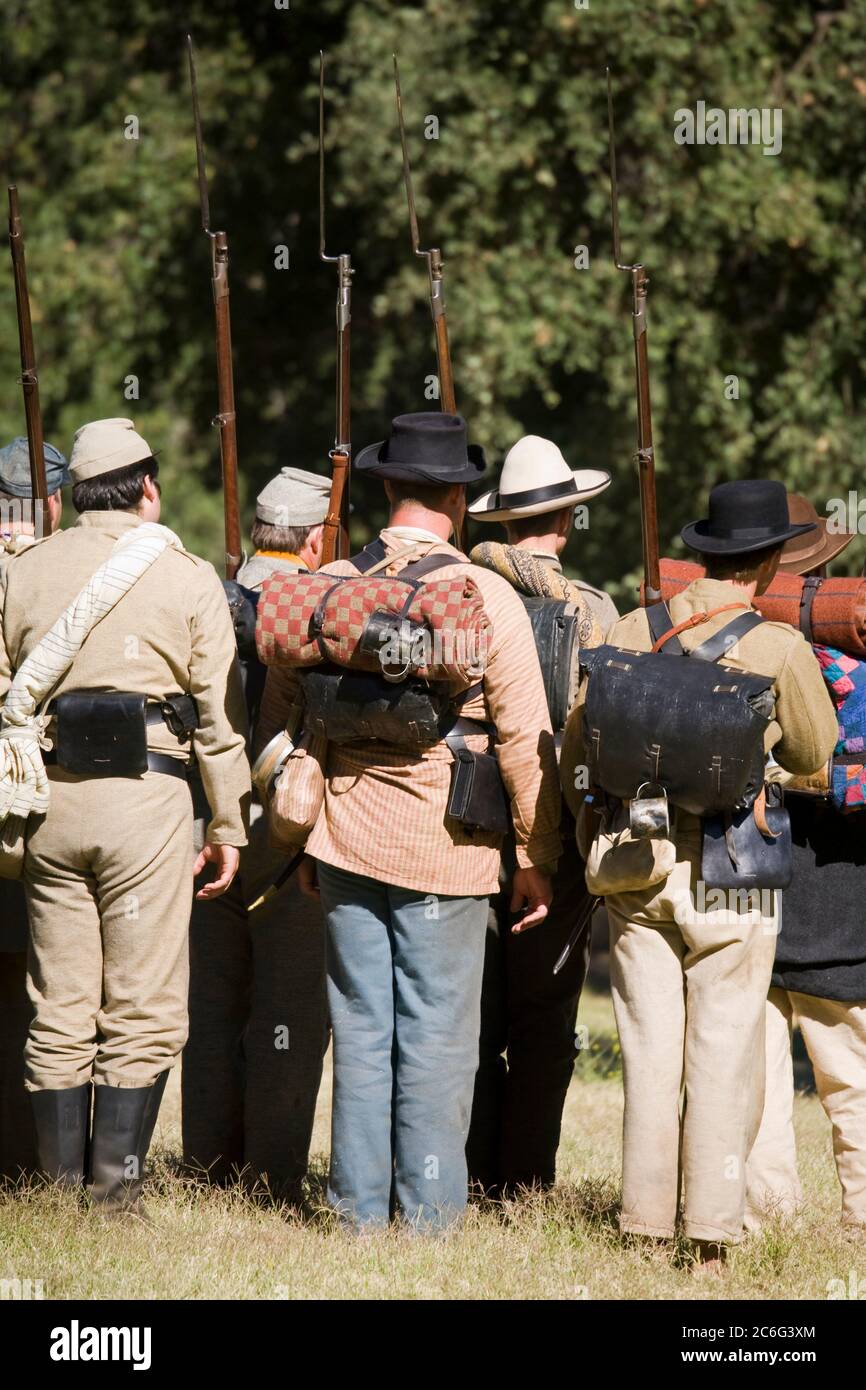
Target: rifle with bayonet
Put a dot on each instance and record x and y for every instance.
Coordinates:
(336, 534)
(645, 455)
(434, 261)
(225, 378)
(29, 375)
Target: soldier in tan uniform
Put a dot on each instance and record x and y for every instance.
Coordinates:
(258, 1013)
(690, 985)
(18, 531)
(528, 1014)
(109, 867)
(405, 886)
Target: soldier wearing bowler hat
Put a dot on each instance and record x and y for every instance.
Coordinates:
(690, 986)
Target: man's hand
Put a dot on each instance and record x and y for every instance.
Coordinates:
(226, 859)
(307, 880)
(532, 887)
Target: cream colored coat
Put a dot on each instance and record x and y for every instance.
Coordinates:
(170, 634)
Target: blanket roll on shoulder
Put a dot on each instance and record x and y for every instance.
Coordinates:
(438, 627)
(837, 617)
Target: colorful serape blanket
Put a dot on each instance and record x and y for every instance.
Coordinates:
(846, 680)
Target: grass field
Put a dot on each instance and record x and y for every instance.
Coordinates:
(222, 1245)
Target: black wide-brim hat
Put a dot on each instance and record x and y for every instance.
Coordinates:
(744, 516)
(426, 447)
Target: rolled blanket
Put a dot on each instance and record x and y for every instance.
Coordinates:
(304, 619)
(838, 612)
(533, 577)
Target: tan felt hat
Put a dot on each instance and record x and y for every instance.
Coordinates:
(294, 497)
(104, 446)
(536, 479)
(815, 547)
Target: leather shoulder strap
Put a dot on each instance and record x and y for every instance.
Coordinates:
(419, 569)
(722, 641)
(371, 555)
(811, 585)
(660, 621)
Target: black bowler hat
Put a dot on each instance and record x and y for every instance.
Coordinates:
(429, 447)
(744, 516)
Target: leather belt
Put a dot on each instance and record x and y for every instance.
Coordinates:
(156, 762)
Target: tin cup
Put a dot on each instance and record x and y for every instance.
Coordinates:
(648, 816)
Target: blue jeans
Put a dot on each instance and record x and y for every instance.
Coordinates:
(404, 988)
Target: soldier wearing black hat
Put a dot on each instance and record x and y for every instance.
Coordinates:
(404, 881)
(690, 976)
(18, 530)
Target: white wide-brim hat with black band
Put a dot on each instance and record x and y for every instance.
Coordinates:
(536, 479)
(103, 446)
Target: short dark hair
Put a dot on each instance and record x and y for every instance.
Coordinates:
(117, 491)
(742, 567)
(264, 536)
(523, 526)
(431, 495)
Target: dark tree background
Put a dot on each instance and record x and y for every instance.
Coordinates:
(756, 263)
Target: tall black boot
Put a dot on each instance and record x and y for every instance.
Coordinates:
(123, 1123)
(62, 1120)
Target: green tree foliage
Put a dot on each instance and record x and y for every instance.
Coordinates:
(754, 261)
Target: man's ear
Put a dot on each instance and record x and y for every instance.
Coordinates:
(316, 539)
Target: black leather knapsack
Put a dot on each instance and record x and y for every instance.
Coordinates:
(677, 719)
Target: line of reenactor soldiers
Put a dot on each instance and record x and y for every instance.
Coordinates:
(427, 947)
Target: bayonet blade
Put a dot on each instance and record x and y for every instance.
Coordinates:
(204, 201)
(407, 168)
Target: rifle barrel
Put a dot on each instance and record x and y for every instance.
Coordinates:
(336, 536)
(29, 374)
(645, 452)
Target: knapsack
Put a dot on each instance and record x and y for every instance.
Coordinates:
(347, 706)
(555, 627)
(687, 725)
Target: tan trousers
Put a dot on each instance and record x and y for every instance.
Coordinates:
(108, 876)
(258, 1027)
(835, 1036)
(689, 989)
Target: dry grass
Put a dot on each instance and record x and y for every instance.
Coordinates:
(222, 1245)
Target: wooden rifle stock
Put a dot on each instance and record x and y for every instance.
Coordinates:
(645, 454)
(29, 375)
(226, 419)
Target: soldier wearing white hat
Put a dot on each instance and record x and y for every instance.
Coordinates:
(258, 1013)
(122, 641)
(527, 1013)
(536, 502)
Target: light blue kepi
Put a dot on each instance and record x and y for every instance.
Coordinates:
(15, 469)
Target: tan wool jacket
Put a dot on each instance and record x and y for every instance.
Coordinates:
(171, 634)
(384, 812)
(803, 731)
